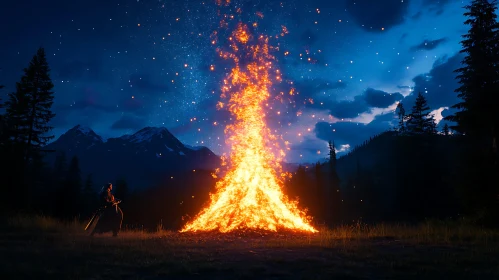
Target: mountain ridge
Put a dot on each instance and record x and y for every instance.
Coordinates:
(142, 158)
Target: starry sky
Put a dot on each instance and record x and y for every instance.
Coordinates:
(121, 65)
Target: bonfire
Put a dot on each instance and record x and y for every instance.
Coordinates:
(250, 195)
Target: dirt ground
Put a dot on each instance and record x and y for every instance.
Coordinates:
(38, 254)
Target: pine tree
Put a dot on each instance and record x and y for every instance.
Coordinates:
(420, 121)
(402, 117)
(29, 108)
(445, 130)
(17, 109)
(332, 154)
(479, 77)
(431, 124)
(333, 214)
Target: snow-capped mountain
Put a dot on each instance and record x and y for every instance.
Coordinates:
(78, 138)
(141, 158)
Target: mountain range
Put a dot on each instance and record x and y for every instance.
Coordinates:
(142, 159)
(148, 157)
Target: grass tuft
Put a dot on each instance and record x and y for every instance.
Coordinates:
(44, 223)
(430, 232)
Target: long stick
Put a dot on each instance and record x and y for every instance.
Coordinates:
(98, 212)
(91, 220)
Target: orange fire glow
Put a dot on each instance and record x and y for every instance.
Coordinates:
(250, 194)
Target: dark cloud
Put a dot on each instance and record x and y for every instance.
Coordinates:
(349, 109)
(129, 122)
(381, 99)
(364, 103)
(375, 15)
(438, 85)
(429, 44)
(354, 133)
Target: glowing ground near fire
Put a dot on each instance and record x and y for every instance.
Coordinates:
(249, 196)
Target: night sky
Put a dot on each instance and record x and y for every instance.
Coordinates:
(121, 65)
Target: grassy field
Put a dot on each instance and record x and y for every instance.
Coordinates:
(43, 248)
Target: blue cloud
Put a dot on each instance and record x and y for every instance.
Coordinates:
(428, 45)
(363, 103)
(354, 133)
(438, 85)
(376, 16)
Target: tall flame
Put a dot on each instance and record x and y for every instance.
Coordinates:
(250, 195)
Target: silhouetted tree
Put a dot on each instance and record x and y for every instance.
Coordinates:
(479, 78)
(29, 108)
(334, 202)
(27, 116)
(419, 120)
(15, 123)
(17, 108)
(402, 117)
(477, 116)
(332, 154)
(445, 130)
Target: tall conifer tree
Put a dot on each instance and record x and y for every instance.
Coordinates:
(29, 108)
(402, 117)
(419, 120)
(479, 75)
